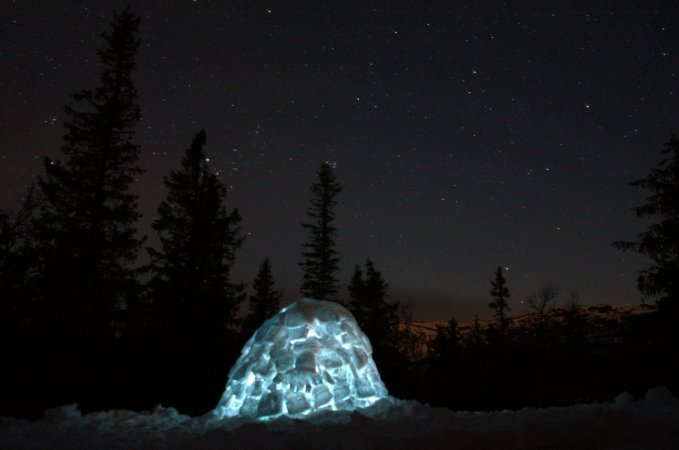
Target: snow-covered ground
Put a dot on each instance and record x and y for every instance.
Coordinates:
(651, 423)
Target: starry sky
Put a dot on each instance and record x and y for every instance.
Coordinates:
(466, 134)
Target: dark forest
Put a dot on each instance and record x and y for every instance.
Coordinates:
(84, 322)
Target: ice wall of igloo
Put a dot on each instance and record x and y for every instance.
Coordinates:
(309, 357)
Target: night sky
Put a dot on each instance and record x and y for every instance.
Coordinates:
(466, 135)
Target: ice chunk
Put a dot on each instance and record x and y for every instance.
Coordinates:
(306, 362)
(296, 403)
(284, 362)
(341, 392)
(361, 358)
(269, 405)
(321, 395)
(310, 356)
(365, 390)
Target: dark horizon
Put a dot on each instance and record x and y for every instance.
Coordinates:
(464, 137)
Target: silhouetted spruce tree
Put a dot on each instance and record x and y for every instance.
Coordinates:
(446, 343)
(444, 375)
(500, 294)
(660, 242)
(264, 303)
(476, 339)
(86, 228)
(12, 277)
(191, 291)
(199, 237)
(377, 317)
(321, 260)
(357, 304)
(21, 378)
(18, 260)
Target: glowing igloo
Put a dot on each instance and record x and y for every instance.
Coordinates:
(311, 356)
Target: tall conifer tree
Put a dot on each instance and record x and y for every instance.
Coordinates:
(22, 364)
(192, 294)
(377, 317)
(265, 302)
(191, 286)
(380, 321)
(17, 262)
(357, 304)
(321, 259)
(446, 342)
(86, 227)
(660, 241)
(500, 294)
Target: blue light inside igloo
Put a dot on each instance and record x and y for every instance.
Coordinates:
(309, 357)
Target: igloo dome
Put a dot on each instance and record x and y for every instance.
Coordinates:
(311, 356)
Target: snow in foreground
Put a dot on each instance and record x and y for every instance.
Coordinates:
(390, 423)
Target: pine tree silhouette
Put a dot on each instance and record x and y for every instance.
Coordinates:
(660, 241)
(445, 344)
(377, 317)
(476, 339)
(380, 321)
(357, 304)
(21, 357)
(18, 260)
(321, 260)
(500, 294)
(199, 237)
(86, 229)
(191, 290)
(265, 302)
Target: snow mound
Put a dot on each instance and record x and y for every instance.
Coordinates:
(310, 357)
(648, 423)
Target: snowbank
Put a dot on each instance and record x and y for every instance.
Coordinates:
(621, 424)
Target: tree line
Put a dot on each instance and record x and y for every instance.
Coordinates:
(86, 324)
(83, 325)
